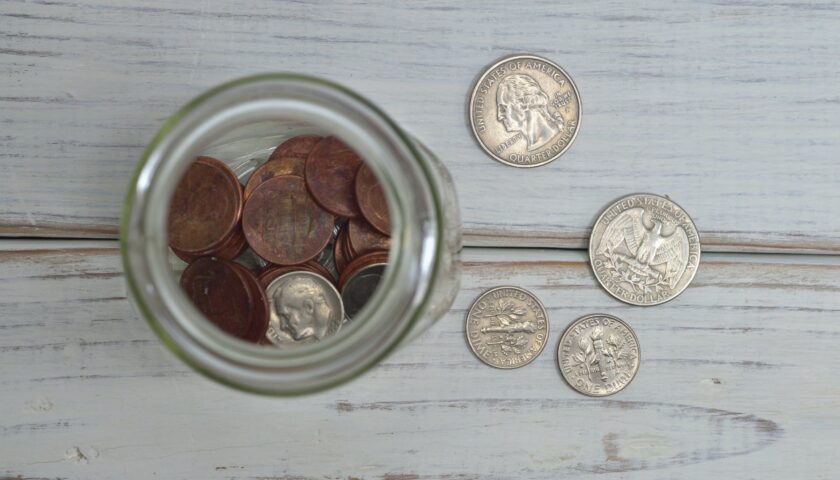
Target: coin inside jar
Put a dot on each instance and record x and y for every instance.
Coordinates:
(282, 223)
(330, 174)
(274, 168)
(359, 288)
(295, 147)
(363, 238)
(372, 202)
(222, 293)
(305, 308)
(205, 209)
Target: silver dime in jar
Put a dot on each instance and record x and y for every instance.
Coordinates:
(507, 327)
(644, 249)
(598, 355)
(305, 308)
(360, 287)
(525, 111)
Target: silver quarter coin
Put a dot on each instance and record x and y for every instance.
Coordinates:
(598, 355)
(305, 308)
(507, 327)
(360, 287)
(644, 249)
(525, 111)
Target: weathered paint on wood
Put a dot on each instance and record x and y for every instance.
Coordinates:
(731, 108)
(739, 379)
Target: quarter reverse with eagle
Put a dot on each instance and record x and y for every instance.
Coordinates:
(644, 249)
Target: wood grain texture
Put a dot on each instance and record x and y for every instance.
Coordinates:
(731, 108)
(738, 380)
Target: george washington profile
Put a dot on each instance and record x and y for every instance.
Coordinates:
(522, 106)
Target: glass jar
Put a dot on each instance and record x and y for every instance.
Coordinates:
(240, 123)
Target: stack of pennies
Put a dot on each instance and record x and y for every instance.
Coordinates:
(294, 254)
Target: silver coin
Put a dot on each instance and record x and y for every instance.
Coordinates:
(598, 355)
(360, 287)
(644, 249)
(507, 327)
(525, 111)
(304, 308)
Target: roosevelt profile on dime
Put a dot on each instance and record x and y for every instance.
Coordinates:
(300, 312)
(644, 249)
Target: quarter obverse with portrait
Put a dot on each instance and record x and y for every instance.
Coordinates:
(525, 111)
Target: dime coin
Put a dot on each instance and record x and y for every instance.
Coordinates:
(598, 355)
(507, 327)
(644, 249)
(283, 224)
(525, 111)
(379, 257)
(205, 208)
(360, 287)
(296, 147)
(330, 174)
(221, 292)
(372, 200)
(305, 308)
(275, 168)
(363, 238)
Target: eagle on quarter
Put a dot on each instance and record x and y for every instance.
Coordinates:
(648, 244)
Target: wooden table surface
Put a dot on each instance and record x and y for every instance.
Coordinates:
(731, 108)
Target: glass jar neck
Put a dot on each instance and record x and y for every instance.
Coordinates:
(298, 102)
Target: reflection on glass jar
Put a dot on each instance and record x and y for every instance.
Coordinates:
(241, 124)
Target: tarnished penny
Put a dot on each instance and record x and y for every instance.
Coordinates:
(331, 177)
(282, 223)
(644, 249)
(507, 327)
(359, 288)
(525, 111)
(363, 238)
(275, 168)
(371, 199)
(221, 292)
(598, 355)
(271, 273)
(205, 208)
(295, 147)
(305, 308)
(378, 257)
(260, 315)
(340, 254)
(229, 249)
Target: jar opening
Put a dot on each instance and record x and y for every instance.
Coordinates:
(241, 122)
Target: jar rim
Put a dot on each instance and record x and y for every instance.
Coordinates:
(416, 237)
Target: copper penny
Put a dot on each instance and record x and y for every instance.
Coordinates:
(275, 168)
(372, 200)
(221, 292)
(296, 147)
(340, 253)
(269, 274)
(230, 248)
(331, 177)
(363, 238)
(205, 208)
(283, 224)
(261, 313)
(372, 258)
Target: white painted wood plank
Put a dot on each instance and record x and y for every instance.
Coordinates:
(731, 108)
(739, 379)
